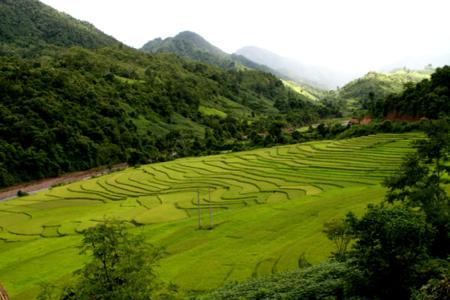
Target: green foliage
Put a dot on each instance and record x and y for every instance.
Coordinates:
(368, 90)
(21, 193)
(340, 234)
(122, 266)
(391, 244)
(30, 23)
(324, 281)
(419, 183)
(435, 289)
(398, 247)
(68, 110)
(99, 103)
(428, 98)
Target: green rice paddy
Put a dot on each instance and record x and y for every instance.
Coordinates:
(268, 207)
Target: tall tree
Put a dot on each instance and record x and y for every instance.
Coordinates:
(419, 183)
(121, 267)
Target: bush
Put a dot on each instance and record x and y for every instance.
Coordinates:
(21, 193)
(328, 280)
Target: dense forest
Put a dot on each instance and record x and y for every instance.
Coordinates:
(30, 24)
(75, 108)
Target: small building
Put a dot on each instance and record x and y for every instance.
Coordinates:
(352, 121)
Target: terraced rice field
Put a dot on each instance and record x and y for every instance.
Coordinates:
(269, 206)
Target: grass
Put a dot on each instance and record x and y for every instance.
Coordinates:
(269, 208)
(209, 111)
(309, 92)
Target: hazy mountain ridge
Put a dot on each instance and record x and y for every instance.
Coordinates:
(294, 70)
(193, 46)
(30, 23)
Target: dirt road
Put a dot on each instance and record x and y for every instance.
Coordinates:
(35, 186)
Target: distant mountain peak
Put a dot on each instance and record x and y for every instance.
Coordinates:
(185, 43)
(191, 45)
(189, 35)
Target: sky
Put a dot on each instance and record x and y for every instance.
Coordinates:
(346, 35)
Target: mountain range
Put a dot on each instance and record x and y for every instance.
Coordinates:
(191, 45)
(297, 71)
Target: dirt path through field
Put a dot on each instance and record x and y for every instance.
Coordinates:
(35, 186)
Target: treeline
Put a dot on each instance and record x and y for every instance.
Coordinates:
(66, 110)
(429, 98)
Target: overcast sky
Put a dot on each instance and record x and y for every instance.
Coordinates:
(355, 35)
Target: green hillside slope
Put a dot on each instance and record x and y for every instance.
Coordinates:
(269, 206)
(429, 98)
(28, 23)
(379, 85)
(76, 108)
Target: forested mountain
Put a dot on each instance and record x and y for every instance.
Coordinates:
(30, 23)
(192, 46)
(72, 108)
(374, 86)
(381, 84)
(429, 98)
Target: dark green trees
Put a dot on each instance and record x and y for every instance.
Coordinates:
(402, 246)
(419, 183)
(429, 98)
(122, 266)
(391, 245)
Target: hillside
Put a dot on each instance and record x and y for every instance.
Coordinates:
(30, 23)
(269, 207)
(428, 98)
(67, 109)
(381, 84)
(192, 46)
(291, 69)
(117, 105)
(308, 91)
(360, 94)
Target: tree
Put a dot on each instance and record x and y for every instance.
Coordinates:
(436, 148)
(418, 184)
(340, 233)
(122, 266)
(392, 244)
